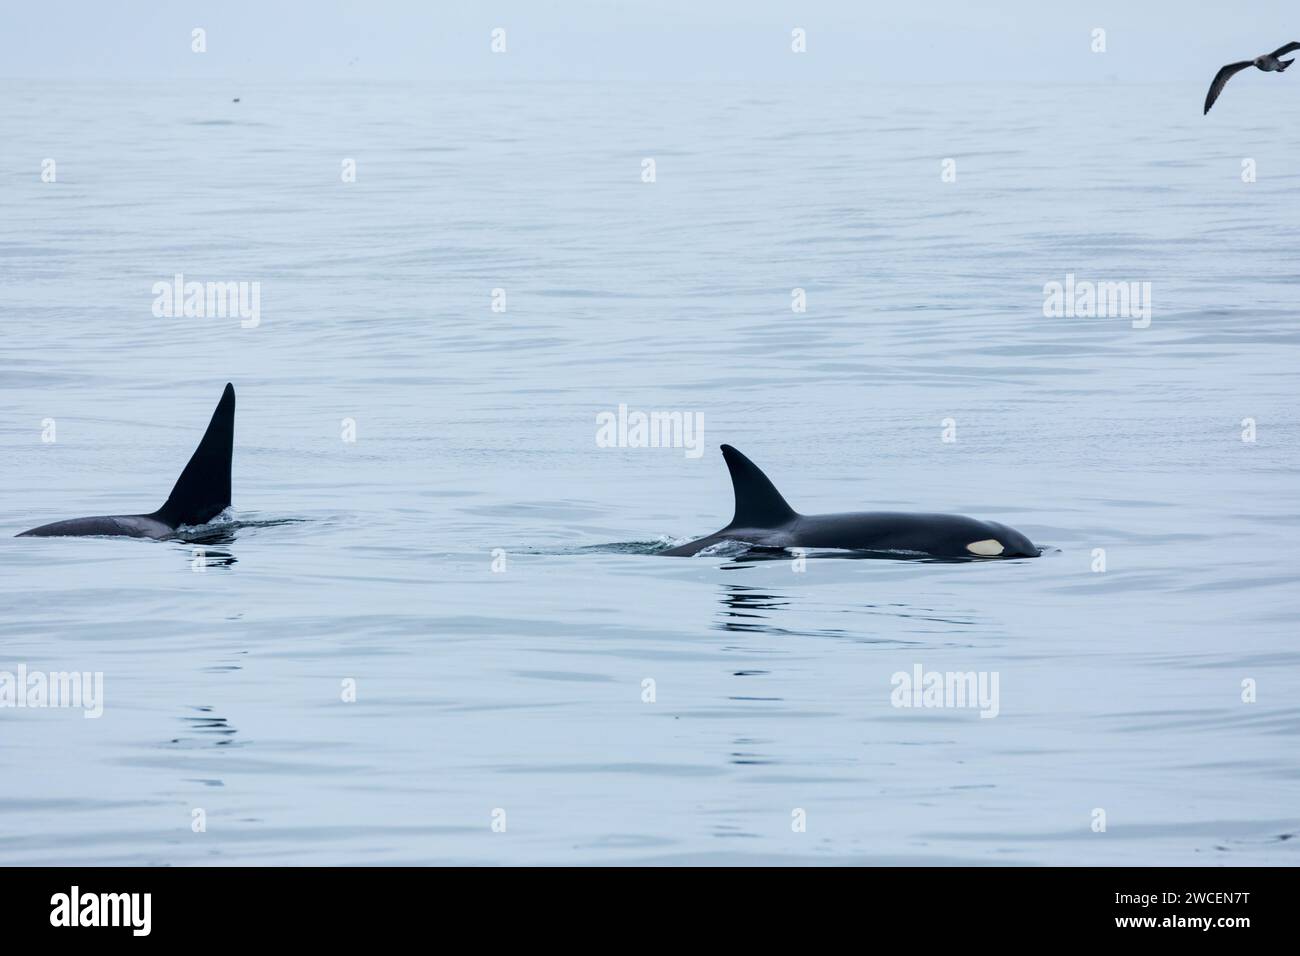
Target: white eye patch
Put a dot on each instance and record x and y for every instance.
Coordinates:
(987, 548)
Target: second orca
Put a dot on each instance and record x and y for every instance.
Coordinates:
(763, 519)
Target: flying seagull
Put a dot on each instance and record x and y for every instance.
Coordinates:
(1267, 62)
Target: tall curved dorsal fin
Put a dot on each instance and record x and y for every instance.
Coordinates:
(758, 503)
(203, 490)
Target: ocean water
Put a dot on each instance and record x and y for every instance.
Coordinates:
(532, 683)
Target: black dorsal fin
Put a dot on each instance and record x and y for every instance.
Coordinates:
(203, 490)
(758, 503)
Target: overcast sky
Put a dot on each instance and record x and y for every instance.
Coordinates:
(440, 40)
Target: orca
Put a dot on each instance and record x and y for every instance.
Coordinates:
(764, 520)
(201, 493)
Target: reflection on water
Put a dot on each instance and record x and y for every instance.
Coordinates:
(742, 606)
(211, 538)
(206, 726)
(208, 557)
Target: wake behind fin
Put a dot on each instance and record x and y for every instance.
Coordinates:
(203, 490)
(758, 503)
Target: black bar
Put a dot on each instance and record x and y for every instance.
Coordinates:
(334, 905)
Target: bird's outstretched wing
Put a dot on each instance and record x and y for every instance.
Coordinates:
(1220, 80)
(1284, 50)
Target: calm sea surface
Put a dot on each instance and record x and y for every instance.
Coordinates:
(520, 696)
